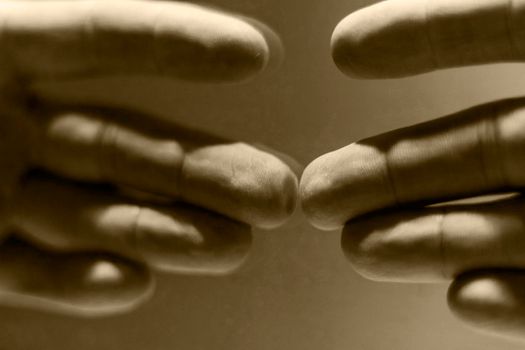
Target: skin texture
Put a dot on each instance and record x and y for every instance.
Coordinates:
(382, 191)
(98, 197)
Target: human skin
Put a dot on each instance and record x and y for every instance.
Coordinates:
(378, 190)
(99, 197)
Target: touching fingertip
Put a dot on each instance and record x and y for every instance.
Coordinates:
(278, 197)
(316, 193)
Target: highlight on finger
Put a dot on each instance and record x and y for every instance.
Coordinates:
(436, 244)
(177, 238)
(491, 301)
(75, 39)
(82, 284)
(398, 38)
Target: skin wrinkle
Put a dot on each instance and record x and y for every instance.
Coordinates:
(107, 149)
(495, 145)
(500, 164)
(180, 175)
(483, 136)
(390, 178)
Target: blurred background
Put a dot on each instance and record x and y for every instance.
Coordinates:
(296, 291)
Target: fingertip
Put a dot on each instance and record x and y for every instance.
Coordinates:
(250, 53)
(383, 41)
(492, 302)
(360, 252)
(241, 50)
(313, 189)
(372, 254)
(214, 46)
(293, 165)
(344, 184)
(80, 284)
(351, 49)
(344, 49)
(276, 51)
(108, 286)
(268, 53)
(318, 190)
(191, 241)
(276, 193)
(474, 297)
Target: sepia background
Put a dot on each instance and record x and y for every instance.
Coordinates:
(296, 291)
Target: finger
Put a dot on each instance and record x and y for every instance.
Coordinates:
(405, 37)
(177, 238)
(491, 301)
(476, 151)
(83, 284)
(438, 243)
(74, 39)
(232, 178)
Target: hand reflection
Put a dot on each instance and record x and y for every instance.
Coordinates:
(138, 194)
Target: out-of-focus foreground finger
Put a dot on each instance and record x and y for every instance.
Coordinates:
(404, 37)
(476, 151)
(437, 243)
(85, 284)
(180, 239)
(491, 301)
(71, 39)
(232, 178)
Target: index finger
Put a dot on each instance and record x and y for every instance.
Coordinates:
(64, 39)
(404, 37)
(473, 152)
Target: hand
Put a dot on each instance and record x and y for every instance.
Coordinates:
(380, 188)
(104, 195)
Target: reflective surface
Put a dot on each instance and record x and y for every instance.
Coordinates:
(296, 290)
